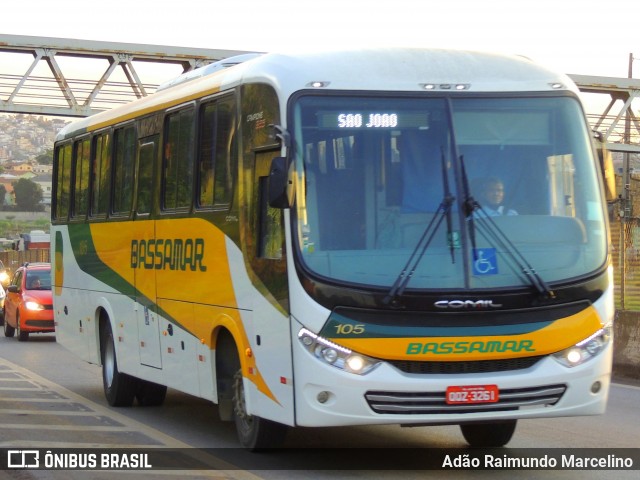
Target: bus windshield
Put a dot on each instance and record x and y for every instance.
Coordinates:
(418, 187)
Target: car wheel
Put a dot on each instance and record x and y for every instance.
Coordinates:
(22, 336)
(8, 330)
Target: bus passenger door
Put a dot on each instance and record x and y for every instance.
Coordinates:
(267, 324)
(145, 275)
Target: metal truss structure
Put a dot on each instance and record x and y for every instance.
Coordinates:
(77, 78)
(618, 124)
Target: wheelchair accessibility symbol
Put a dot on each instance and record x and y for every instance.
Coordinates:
(485, 261)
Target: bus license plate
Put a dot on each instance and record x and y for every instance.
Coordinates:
(472, 394)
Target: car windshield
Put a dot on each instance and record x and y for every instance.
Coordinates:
(446, 192)
(40, 280)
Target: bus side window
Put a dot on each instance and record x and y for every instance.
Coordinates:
(270, 225)
(100, 169)
(146, 159)
(81, 180)
(216, 151)
(178, 159)
(63, 181)
(123, 170)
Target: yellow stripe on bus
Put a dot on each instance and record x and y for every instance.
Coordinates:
(181, 265)
(555, 337)
(153, 107)
(157, 102)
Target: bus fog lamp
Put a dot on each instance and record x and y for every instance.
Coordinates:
(596, 387)
(586, 349)
(323, 397)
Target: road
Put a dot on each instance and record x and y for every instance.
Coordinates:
(51, 399)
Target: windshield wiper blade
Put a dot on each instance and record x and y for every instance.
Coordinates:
(418, 252)
(469, 205)
(475, 214)
(492, 232)
(443, 211)
(448, 197)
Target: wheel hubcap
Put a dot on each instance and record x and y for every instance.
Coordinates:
(109, 363)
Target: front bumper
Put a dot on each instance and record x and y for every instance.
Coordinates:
(327, 396)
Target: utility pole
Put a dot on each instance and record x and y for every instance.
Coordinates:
(625, 197)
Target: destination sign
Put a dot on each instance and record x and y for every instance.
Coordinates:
(373, 120)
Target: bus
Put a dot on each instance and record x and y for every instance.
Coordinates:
(305, 239)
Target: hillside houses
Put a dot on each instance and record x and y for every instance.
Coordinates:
(22, 139)
(40, 174)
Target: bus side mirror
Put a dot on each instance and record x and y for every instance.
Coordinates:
(280, 189)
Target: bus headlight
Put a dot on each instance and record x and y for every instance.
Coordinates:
(336, 355)
(586, 349)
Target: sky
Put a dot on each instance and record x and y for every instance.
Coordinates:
(586, 37)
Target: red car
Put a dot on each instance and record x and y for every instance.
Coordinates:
(28, 307)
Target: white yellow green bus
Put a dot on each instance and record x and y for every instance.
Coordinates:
(305, 240)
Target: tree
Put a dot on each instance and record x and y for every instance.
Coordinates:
(45, 158)
(28, 195)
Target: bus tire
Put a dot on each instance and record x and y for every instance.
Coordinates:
(490, 434)
(119, 388)
(150, 394)
(254, 433)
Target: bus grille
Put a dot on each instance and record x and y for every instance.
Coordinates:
(420, 403)
(481, 366)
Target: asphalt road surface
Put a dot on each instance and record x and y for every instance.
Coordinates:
(49, 399)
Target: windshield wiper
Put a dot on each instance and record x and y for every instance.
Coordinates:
(443, 211)
(448, 198)
(475, 214)
(469, 205)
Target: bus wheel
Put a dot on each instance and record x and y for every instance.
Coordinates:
(255, 433)
(489, 435)
(119, 388)
(150, 394)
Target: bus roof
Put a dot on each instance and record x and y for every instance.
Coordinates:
(392, 69)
